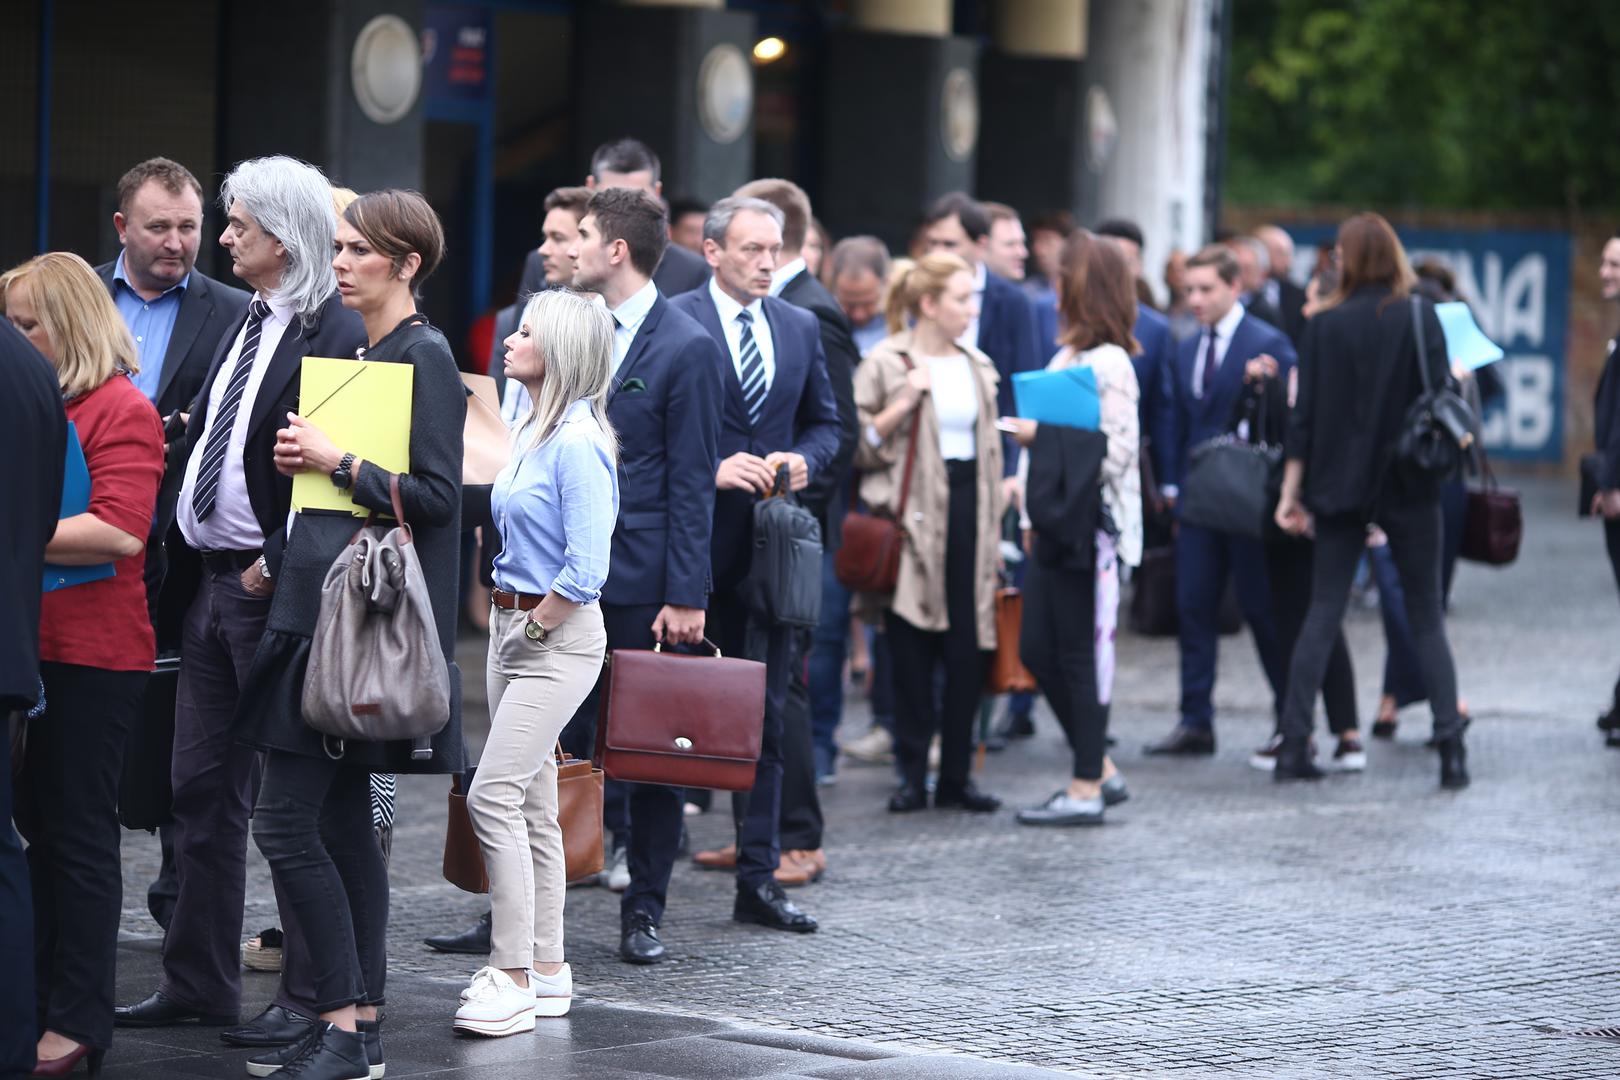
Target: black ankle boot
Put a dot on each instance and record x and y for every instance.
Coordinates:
(1453, 763)
(371, 1033)
(1294, 762)
(335, 1055)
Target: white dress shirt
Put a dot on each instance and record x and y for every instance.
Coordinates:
(956, 405)
(970, 336)
(1223, 331)
(728, 309)
(232, 526)
(627, 319)
(786, 273)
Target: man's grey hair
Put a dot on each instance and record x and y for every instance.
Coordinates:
(292, 201)
(718, 222)
(1262, 253)
(859, 253)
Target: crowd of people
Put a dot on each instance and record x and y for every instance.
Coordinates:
(664, 367)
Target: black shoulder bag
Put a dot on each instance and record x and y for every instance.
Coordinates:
(1440, 429)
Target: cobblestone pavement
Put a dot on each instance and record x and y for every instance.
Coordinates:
(1368, 926)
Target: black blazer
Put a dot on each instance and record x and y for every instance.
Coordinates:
(33, 442)
(1065, 495)
(822, 497)
(335, 331)
(1291, 309)
(1606, 419)
(680, 271)
(1010, 335)
(665, 407)
(1358, 375)
(799, 415)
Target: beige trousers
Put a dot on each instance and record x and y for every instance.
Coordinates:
(534, 690)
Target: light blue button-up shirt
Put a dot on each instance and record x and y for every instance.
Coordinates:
(555, 506)
(151, 322)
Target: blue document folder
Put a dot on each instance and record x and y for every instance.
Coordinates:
(75, 501)
(1466, 343)
(1067, 397)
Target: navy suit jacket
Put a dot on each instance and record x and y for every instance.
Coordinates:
(665, 406)
(800, 414)
(1152, 332)
(1187, 419)
(1010, 335)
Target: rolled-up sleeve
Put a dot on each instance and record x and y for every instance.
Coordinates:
(588, 488)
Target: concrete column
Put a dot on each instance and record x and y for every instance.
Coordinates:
(1148, 117)
(1050, 28)
(924, 18)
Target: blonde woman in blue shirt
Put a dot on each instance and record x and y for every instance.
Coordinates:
(554, 505)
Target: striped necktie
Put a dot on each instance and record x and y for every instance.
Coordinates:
(205, 494)
(752, 368)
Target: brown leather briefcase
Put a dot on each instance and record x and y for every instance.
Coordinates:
(579, 816)
(684, 721)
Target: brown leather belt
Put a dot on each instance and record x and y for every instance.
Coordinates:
(514, 601)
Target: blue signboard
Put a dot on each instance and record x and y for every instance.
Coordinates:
(456, 54)
(1517, 283)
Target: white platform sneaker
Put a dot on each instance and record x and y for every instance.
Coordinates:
(494, 1005)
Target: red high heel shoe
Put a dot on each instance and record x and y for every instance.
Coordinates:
(65, 1064)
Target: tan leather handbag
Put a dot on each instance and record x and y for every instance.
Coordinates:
(579, 816)
(486, 442)
(1007, 673)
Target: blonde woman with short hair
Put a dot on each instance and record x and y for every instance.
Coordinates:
(96, 652)
(555, 505)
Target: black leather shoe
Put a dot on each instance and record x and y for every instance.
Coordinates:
(907, 799)
(1294, 763)
(968, 798)
(161, 1011)
(1453, 763)
(276, 1026)
(638, 940)
(1014, 725)
(334, 1054)
(1184, 741)
(474, 940)
(1609, 721)
(768, 905)
(1612, 740)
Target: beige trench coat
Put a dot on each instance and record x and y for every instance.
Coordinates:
(920, 596)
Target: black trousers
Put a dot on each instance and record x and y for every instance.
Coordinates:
(313, 826)
(801, 821)
(1058, 643)
(1414, 538)
(1611, 540)
(915, 655)
(1289, 565)
(19, 1028)
(67, 808)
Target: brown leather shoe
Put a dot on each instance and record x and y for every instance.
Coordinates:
(791, 874)
(724, 859)
(814, 863)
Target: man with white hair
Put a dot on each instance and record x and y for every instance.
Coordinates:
(224, 557)
(1286, 298)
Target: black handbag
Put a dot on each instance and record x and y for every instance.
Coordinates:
(1440, 428)
(1231, 484)
(783, 586)
(145, 797)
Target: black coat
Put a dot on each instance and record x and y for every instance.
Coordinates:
(1606, 419)
(822, 497)
(270, 714)
(335, 331)
(1358, 375)
(1064, 495)
(33, 443)
(680, 271)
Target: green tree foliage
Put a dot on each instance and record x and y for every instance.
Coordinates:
(1490, 104)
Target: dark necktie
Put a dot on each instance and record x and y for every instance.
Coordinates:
(204, 495)
(752, 368)
(1207, 378)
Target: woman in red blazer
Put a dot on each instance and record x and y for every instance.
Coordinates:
(96, 652)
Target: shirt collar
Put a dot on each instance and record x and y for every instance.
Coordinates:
(281, 310)
(635, 307)
(787, 273)
(120, 277)
(981, 275)
(728, 308)
(1229, 322)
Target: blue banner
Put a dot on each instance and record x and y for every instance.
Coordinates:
(457, 50)
(1517, 283)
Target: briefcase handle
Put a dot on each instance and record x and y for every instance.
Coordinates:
(659, 647)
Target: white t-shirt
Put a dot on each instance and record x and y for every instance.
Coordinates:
(956, 405)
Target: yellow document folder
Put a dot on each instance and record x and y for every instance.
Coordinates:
(364, 406)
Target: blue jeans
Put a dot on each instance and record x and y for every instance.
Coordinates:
(829, 646)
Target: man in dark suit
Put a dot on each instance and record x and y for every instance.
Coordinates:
(33, 443)
(1606, 433)
(1152, 332)
(665, 405)
(225, 552)
(1254, 272)
(810, 755)
(630, 163)
(1207, 381)
(176, 313)
(778, 411)
(1285, 298)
